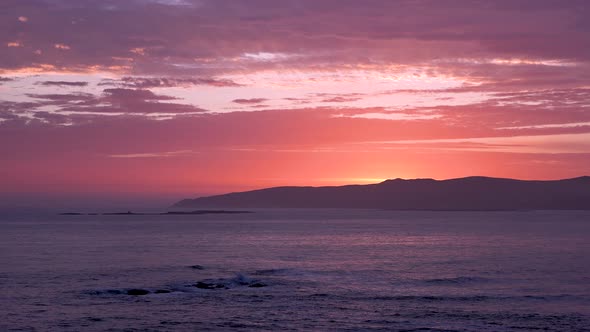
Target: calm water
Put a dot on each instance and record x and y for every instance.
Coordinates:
(324, 270)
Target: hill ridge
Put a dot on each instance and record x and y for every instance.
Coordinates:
(467, 193)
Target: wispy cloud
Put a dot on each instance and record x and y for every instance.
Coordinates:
(417, 88)
(166, 154)
(534, 144)
(249, 101)
(63, 83)
(550, 125)
(63, 47)
(167, 82)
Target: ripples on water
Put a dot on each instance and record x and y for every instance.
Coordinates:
(297, 270)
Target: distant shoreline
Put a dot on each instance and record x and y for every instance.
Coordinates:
(475, 193)
(129, 213)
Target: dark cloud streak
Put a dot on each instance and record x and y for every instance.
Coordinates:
(63, 83)
(209, 35)
(250, 101)
(167, 82)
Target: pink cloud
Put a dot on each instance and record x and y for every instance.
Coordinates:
(330, 34)
(201, 151)
(167, 82)
(63, 83)
(134, 62)
(249, 101)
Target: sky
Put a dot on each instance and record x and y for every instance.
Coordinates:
(181, 98)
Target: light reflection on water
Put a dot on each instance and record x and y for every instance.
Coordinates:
(325, 269)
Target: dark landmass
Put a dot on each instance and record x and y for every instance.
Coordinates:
(463, 194)
(207, 212)
(129, 213)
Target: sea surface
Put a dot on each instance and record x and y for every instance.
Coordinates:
(297, 270)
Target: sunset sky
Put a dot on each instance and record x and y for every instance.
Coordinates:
(174, 98)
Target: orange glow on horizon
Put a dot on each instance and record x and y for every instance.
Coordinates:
(210, 98)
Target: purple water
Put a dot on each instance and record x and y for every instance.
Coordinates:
(323, 270)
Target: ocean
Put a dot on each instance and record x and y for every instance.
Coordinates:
(297, 270)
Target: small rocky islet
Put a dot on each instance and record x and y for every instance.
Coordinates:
(210, 284)
(168, 213)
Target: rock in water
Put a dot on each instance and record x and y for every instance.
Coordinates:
(206, 285)
(257, 284)
(137, 292)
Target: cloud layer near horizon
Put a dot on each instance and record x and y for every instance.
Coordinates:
(226, 95)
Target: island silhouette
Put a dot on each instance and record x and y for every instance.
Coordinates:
(476, 193)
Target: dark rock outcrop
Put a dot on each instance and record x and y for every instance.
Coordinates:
(209, 285)
(257, 285)
(138, 292)
(238, 281)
